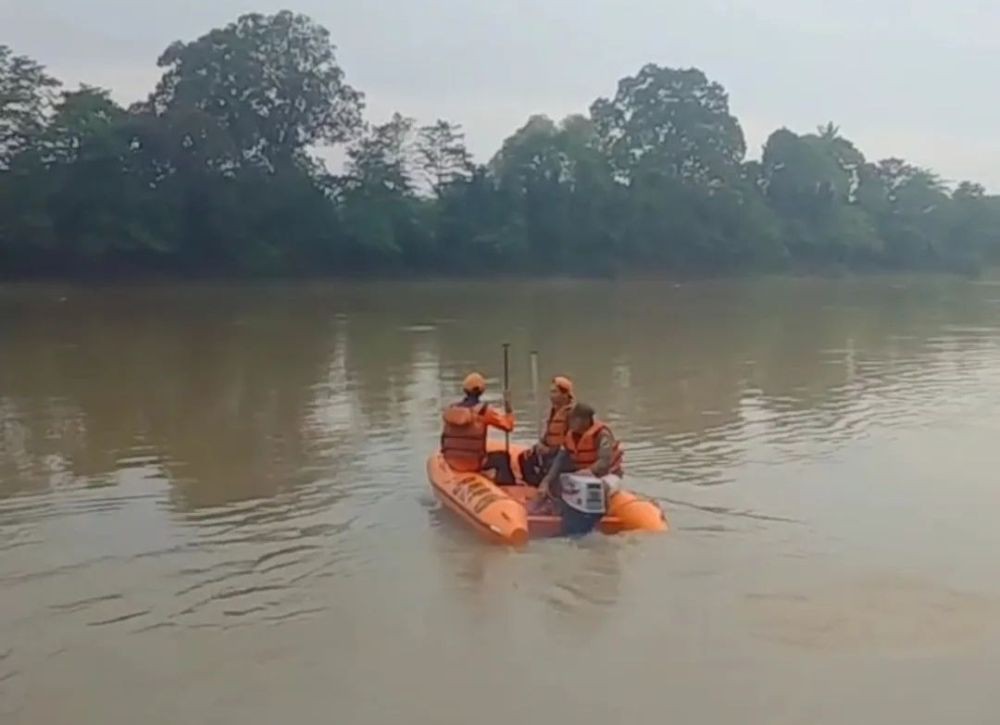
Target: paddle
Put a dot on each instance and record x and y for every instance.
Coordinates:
(539, 504)
(506, 391)
(534, 391)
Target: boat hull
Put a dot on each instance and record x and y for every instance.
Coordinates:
(505, 514)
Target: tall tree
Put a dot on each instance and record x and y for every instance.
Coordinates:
(102, 200)
(27, 93)
(974, 226)
(670, 121)
(534, 172)
(381, 210)
(814, 182)
(383, 157)
(272, 82)
(916, 213)
(803, 173)
(443, 157)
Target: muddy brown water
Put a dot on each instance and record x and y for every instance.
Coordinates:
(213, 506)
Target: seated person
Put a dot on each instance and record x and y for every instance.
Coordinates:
(537, 460)
(466, 424)
(589, 448)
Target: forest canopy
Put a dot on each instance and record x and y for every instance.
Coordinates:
(217, 172)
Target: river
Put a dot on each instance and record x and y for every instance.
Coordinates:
(214, 510)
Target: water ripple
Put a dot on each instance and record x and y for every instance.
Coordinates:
(249, 463)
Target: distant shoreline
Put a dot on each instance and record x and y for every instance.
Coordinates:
(164, 280)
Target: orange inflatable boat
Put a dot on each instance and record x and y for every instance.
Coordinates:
(501, 513)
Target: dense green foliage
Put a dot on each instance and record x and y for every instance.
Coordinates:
(216, 173)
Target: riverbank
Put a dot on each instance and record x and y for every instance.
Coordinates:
(139, 277)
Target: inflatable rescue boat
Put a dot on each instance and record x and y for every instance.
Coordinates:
(505, 514)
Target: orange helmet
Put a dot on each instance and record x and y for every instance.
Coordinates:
(563, 384)
(474, 384)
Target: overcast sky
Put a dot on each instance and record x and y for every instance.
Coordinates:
(910, 78)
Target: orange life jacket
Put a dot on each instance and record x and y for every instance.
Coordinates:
(463, 440)
(583, 449)
(557, 426)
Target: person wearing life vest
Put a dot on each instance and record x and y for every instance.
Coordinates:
(466, 425)
(536, 460)
(588, 447)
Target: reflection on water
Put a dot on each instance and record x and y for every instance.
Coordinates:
(184, 470)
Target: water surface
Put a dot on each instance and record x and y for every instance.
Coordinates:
(213, 505)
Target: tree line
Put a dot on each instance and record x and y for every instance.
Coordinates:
(216, 173)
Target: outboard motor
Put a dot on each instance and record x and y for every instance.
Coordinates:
(583, 501)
